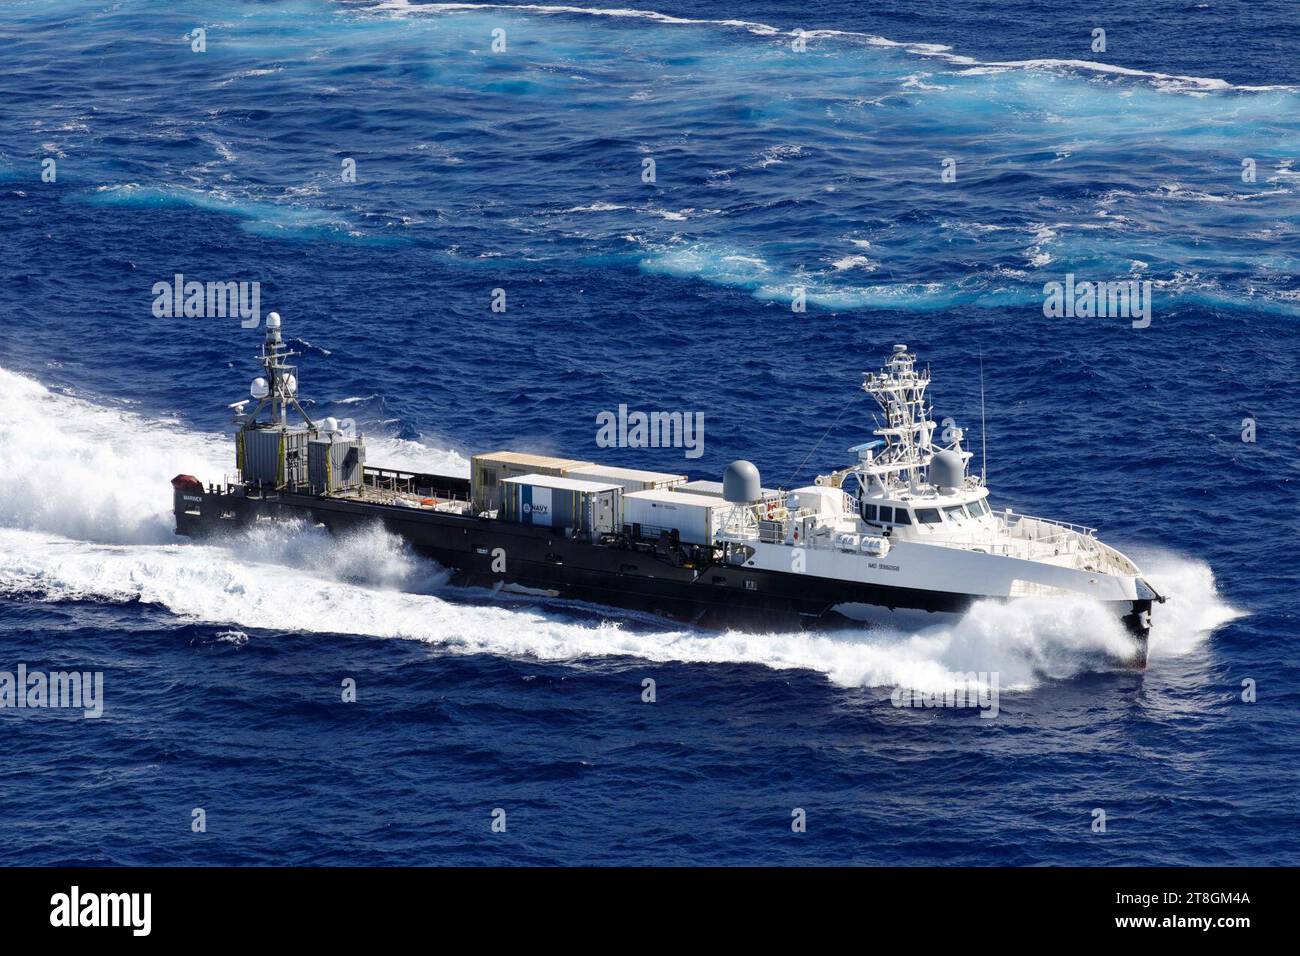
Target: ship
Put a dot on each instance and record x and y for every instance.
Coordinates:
(902, 536)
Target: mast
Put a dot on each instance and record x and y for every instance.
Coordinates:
(279, 386)
(899, 390)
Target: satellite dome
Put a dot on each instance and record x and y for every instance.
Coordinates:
(273, 320)
(330, 425)
(947, 471)
(741, 484)
(290, 385)
(259, 388)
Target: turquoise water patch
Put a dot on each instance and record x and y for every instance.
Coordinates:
(875, 175)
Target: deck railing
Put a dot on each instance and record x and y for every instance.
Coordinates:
(1016, 535)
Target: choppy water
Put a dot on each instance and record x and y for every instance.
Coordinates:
(522, 170)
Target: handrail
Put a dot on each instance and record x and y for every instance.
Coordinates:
(1069, 526)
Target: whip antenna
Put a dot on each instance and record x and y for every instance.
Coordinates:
(984, 437)
(824, 434)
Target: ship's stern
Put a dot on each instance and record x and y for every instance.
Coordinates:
(187, 504)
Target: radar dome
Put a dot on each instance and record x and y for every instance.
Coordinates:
(947, 471)
(740, 483)
(290, 385)
(330, 425)
(273, 320)
(259, 388)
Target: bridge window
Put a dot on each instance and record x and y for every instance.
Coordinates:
(955, 512)
(869, 512)
(902, 516)
(886, 514)
(928, 516)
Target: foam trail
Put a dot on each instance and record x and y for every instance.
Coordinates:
(1162, 81)
(282, 580)
(85, 515)
(93, 473)
(100, 474)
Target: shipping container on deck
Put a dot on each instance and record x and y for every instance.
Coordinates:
(487, 471)
(335, 465)
(629, 479)
(274, 456)
(588, 507)
(696, 518)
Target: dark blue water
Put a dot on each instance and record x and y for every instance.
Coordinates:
(522, 170)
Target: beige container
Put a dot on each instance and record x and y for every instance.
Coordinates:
(488, 471)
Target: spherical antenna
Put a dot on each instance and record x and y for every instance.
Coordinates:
(741, 484)
(259, 389)
(947, 472)
(273, 320)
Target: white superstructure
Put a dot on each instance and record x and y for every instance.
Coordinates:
(908, 514)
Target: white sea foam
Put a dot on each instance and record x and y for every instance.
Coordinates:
(246, 74)
(595, 207)
(1193, 606)
(89, 472)
(1174, 83)
(85, 515)
(855, 262)
(102, 474)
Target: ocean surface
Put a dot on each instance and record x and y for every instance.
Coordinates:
(523, 169)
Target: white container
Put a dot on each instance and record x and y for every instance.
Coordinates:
(589, 507)
(696, 518)
(629, 479)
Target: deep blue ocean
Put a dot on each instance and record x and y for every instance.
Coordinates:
(521, 169)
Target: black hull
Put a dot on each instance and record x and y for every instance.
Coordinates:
(683, 582)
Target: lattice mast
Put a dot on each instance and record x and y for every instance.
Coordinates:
(278, 386)
(899, 390)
